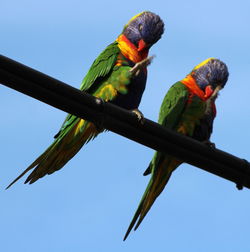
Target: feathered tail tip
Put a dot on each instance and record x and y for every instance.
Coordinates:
(143, 208)
(137, 219)
(155, 186)
(34, 164)
(23, 173)
(132, 223)
(15, 180)
(65, 146)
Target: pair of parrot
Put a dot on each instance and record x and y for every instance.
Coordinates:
(119, 75)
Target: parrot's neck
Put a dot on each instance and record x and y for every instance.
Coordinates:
(191, 84)
(129, 50)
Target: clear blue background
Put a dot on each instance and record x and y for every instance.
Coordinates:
(88, 205)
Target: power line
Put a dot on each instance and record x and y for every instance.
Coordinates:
(69, 99)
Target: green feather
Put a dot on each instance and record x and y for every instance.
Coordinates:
(101, 67)
(173, 105)
(99, 70)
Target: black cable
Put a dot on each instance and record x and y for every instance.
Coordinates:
(123, 122)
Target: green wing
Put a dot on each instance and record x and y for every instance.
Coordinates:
(102, 66)
(170, 112)
(173, 105)
(99, 70)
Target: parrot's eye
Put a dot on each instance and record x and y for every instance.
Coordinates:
(140, 27)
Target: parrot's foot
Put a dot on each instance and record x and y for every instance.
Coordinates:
(210, 144)
(141, 65)
(139, 115)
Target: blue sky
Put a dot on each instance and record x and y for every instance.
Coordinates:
(90, 202)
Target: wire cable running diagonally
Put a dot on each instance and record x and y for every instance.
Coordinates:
(71, 100)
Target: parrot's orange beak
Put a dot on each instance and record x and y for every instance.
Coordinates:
(141, 45)
(208, 91)
(212, 93)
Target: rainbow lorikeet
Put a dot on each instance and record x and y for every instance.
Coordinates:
(116, 76)
(189, 109)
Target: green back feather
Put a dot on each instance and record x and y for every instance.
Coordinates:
(173, 105)
(102, 66)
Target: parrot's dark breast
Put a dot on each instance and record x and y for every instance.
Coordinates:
(132, 99)
(203, 131)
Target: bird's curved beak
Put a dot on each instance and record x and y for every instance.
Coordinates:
(216, 91)
(212, 93)
(208, 91)
(141, 45)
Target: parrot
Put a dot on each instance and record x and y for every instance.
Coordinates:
(118, 75)
(189, 109)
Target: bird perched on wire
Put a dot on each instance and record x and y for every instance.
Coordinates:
(189, 109)
(118, 75)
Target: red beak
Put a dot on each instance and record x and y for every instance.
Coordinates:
(141, 45)
(208, 91)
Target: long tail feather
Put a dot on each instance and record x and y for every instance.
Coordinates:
(64, 147)
(132, 223)
(35, 163)
(158, 181)
(138, 211)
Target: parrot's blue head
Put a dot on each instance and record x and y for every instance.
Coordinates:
(144, 29)
(211, 72)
